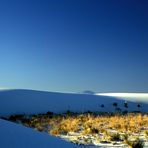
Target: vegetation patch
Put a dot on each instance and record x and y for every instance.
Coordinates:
(91, 128)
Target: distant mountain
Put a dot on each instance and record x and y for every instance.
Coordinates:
(88, 92)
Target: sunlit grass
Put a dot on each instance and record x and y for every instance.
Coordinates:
(103, 127)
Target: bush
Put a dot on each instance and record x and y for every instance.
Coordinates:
(94, 131)
(15, 118)
(125, 104)
(102, 105)
(54, 132)
(114, 137)
(115, 104)
(136, 143)
(50, 114)
(146, 134)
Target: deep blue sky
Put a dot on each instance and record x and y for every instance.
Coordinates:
(74, 45)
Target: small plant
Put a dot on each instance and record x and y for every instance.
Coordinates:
(54, 132)
(124, 112)
(125, 104)
(94, 131)
(136, 143)
(114, 137)
(125, 138)
(16, 117)
(40, 128)
(69, 113)
(115, 104)
(50, 114)
(102, 105)
(146, 133)
(118, 110)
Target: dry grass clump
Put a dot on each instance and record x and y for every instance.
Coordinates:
(54, 131)
(131, 123)
(146, 133)
(114, 137)
(107, 127)
(69, 124)
(137, 143)
(88, 123)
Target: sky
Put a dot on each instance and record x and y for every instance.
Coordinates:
(74, 45)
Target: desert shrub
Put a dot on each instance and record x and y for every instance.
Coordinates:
(54, 131)
(94, 131)
(88, 112)
(40, 128)
(4, 118)
(125, 137)
(146, 133)
(136, 143)
(102, 105)
(115, 104)
(125, 104)
(118, 110)
(12, 118)
(124, 112)
(26, 121)
(114, 137)
(16, 117)
(69, 124)
(50, 114)
(70, 113)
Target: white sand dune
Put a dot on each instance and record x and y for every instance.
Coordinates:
(18, 136)
(30, 101)
(137, 97)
